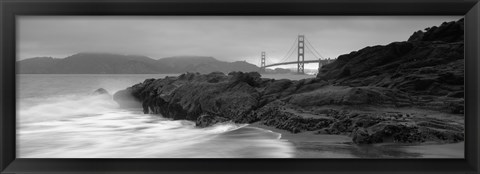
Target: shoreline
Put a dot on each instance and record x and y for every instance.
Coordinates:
(305, 143)
(311, 145)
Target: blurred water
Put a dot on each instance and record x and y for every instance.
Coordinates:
(58, 117)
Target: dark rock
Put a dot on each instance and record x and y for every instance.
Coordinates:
(445, 136)
(192, 95)
(339, 127)
(387, 132)
(294, 123)
(394, 131)
(277, 86)
(417, 36)
(251, 78)
(208, 120)
(429, 63)
(342, 95)
(456, 94)
(447, 32)
(361, 136)
(125, 99)
(216, 77)
(274, 114)
(100, 91)
(456, 107)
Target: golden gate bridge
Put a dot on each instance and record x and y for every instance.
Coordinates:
(298, 46)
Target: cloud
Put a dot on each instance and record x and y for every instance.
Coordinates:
(226, 38)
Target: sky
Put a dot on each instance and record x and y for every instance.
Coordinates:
(227, 38)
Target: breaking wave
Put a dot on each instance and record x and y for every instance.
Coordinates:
(93, 126)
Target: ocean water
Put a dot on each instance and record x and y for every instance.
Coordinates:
(58, 116)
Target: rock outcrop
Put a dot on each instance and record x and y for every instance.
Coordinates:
(100, 91)
(404, 92)
(429, 67)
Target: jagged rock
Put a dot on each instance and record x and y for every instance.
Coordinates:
(271, 115)
(387, 132)
(440, 135)
(417, 36)
(251, 78)
(408, 132)
(216, 77)
(456, 107)
(429, 63)
(361, 136)
(208, 120)
(344, 95)
(447, 32)
(192, 94)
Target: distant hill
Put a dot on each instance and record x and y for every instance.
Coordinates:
(102, 63)
(278, 71)
(205, 65)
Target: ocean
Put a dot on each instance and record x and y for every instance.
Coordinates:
(58, 116)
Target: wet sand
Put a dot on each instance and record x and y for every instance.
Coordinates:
(311, 145)
(454, 150)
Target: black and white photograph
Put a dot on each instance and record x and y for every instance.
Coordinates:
(240, 87)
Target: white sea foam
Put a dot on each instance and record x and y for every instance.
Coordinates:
(93, 126)
(61, 107)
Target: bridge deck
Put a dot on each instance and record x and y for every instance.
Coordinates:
(296, 62)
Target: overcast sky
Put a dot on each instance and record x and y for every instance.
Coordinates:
(225, 38)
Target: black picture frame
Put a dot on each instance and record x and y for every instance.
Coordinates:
(12, 8)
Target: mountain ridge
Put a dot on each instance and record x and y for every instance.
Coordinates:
(109, 63)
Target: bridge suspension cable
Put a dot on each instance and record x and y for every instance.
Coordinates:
(310, 50)
(290, 51)
(313, 48)
(290, 55)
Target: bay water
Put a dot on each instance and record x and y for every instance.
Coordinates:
(58, 116)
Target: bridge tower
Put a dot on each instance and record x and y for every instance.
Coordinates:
(301, 53)
(262, 64)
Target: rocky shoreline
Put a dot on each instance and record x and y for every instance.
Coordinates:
(404, 92)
